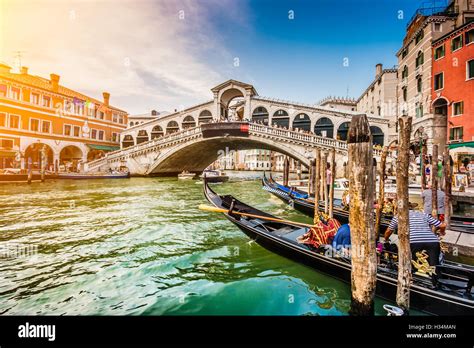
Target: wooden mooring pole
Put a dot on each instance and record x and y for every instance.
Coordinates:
(43, 162)
(324, 168)
(434, 182)
(423, 166)
(447, 186)
(286, 171)
(361, 219)
(381, 197)
(333, 177)
(310, 177)
(317, 175)
(404, 252)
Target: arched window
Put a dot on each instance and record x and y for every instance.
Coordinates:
(205, 117)
(172, 127)
(302, 121)
(343, 130)
(189, 122)
(127, 141)
(405, 72)
(157, 132)
(280, 118)
(260, 115)
(131, 124)
(377, 135)
(324, 127)
(142, 136)
(419, 59)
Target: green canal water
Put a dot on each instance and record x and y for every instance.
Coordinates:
(141, 246)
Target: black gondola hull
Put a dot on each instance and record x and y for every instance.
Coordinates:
(422, 298)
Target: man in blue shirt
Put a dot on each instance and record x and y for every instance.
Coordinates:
(342, 239)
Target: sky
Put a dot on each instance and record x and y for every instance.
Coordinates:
(168, 54)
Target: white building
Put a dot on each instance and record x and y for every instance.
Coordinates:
(380, 98)
(258, 160)
(134, 120)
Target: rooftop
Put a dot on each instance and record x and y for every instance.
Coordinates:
(45, 84)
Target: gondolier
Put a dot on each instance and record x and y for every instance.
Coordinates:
(421, 235)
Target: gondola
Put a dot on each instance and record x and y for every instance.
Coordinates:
(305, 204)
(302, 202)
(450, 293)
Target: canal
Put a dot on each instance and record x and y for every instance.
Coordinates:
(140, 246)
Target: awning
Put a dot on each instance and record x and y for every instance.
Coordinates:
(103, 147)
(466, 144)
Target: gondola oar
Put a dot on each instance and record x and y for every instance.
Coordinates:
(226, 211)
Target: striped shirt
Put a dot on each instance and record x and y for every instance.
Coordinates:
(420, 231)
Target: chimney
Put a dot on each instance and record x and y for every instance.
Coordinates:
(24, 70)
(4, 68)
(106, 96)
(54, 81)
(378, 70)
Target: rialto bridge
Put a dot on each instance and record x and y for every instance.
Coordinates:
(236, 119)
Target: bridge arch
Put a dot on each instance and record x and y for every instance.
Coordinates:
(281, 118)
(343, 130)
(172, 127)
(128, 141)
(324, 127)
(206, 151)
(205, 117)
(377, 135)
(157, 132)
(188, 122)
(226, 96)
(142, 136)
(302, 121)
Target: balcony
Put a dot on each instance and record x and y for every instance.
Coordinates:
(449, 11)
(419, 70)
(404, 82)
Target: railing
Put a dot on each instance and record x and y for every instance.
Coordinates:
(433, 11)
(312, 139)
(257, 129)
(162, 141)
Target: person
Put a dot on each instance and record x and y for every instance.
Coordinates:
(427, 195)
(342, 239)
(427, 171)
(421, 235)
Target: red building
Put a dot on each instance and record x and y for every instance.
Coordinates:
(453, 88)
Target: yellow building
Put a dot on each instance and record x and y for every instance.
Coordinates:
(39, 113)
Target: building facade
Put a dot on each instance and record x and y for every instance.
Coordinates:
(38, 113)
(452, 88)
(415, 78)
(258, 160)
(380, 98)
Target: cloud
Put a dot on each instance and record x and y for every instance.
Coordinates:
(154, 52)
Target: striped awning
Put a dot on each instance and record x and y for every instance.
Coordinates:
(103, 147)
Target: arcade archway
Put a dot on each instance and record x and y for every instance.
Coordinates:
(33, 156)
(260, 115)
(302, 122)
(281, 119)
(324, 127)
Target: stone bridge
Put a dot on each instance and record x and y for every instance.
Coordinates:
(195, 148)
(181, 141)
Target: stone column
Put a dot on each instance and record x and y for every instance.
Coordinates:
(248, 105)
(217, 110)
